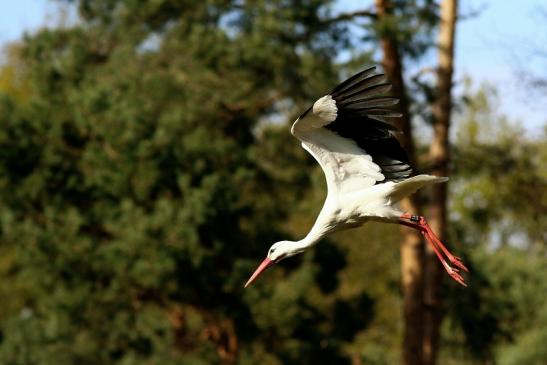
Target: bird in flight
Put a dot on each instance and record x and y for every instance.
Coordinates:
(348, 132)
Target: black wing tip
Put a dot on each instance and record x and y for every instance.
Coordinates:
(377, 88)
(365, 91)
(364, 94)
(353, 80)
(373, 102)
(366, 70)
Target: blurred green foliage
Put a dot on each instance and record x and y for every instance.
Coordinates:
(144, 173)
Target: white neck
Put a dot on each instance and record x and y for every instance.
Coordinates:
(314, 236)
(320, 229)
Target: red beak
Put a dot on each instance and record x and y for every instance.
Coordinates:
(263, 266)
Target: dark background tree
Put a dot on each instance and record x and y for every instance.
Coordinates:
(439, 154)
(146, 165)
(412, 248)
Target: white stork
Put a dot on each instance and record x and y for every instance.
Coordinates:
(366, 169)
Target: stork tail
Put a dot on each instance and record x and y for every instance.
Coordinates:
(409, 186)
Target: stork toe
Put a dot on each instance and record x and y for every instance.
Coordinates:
(454, 275)
(456, 261)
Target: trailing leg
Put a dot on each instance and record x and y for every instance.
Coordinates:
(419, 223)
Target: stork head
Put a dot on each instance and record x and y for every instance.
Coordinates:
(277, 252)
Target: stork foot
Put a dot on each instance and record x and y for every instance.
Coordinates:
(455, 275)
(452, 271)
(456, 261)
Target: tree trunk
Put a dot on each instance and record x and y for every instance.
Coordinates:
(440, 157)
(412, 248)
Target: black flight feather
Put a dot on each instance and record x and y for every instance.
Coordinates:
(374, 102)
(364, 116)
(355, 79)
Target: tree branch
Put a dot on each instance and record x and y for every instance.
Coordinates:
(344, 17)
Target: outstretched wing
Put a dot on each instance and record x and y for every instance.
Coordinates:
(348, 132)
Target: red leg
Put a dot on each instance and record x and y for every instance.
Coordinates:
(453, 259)
(453, 272)
(420, 224)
